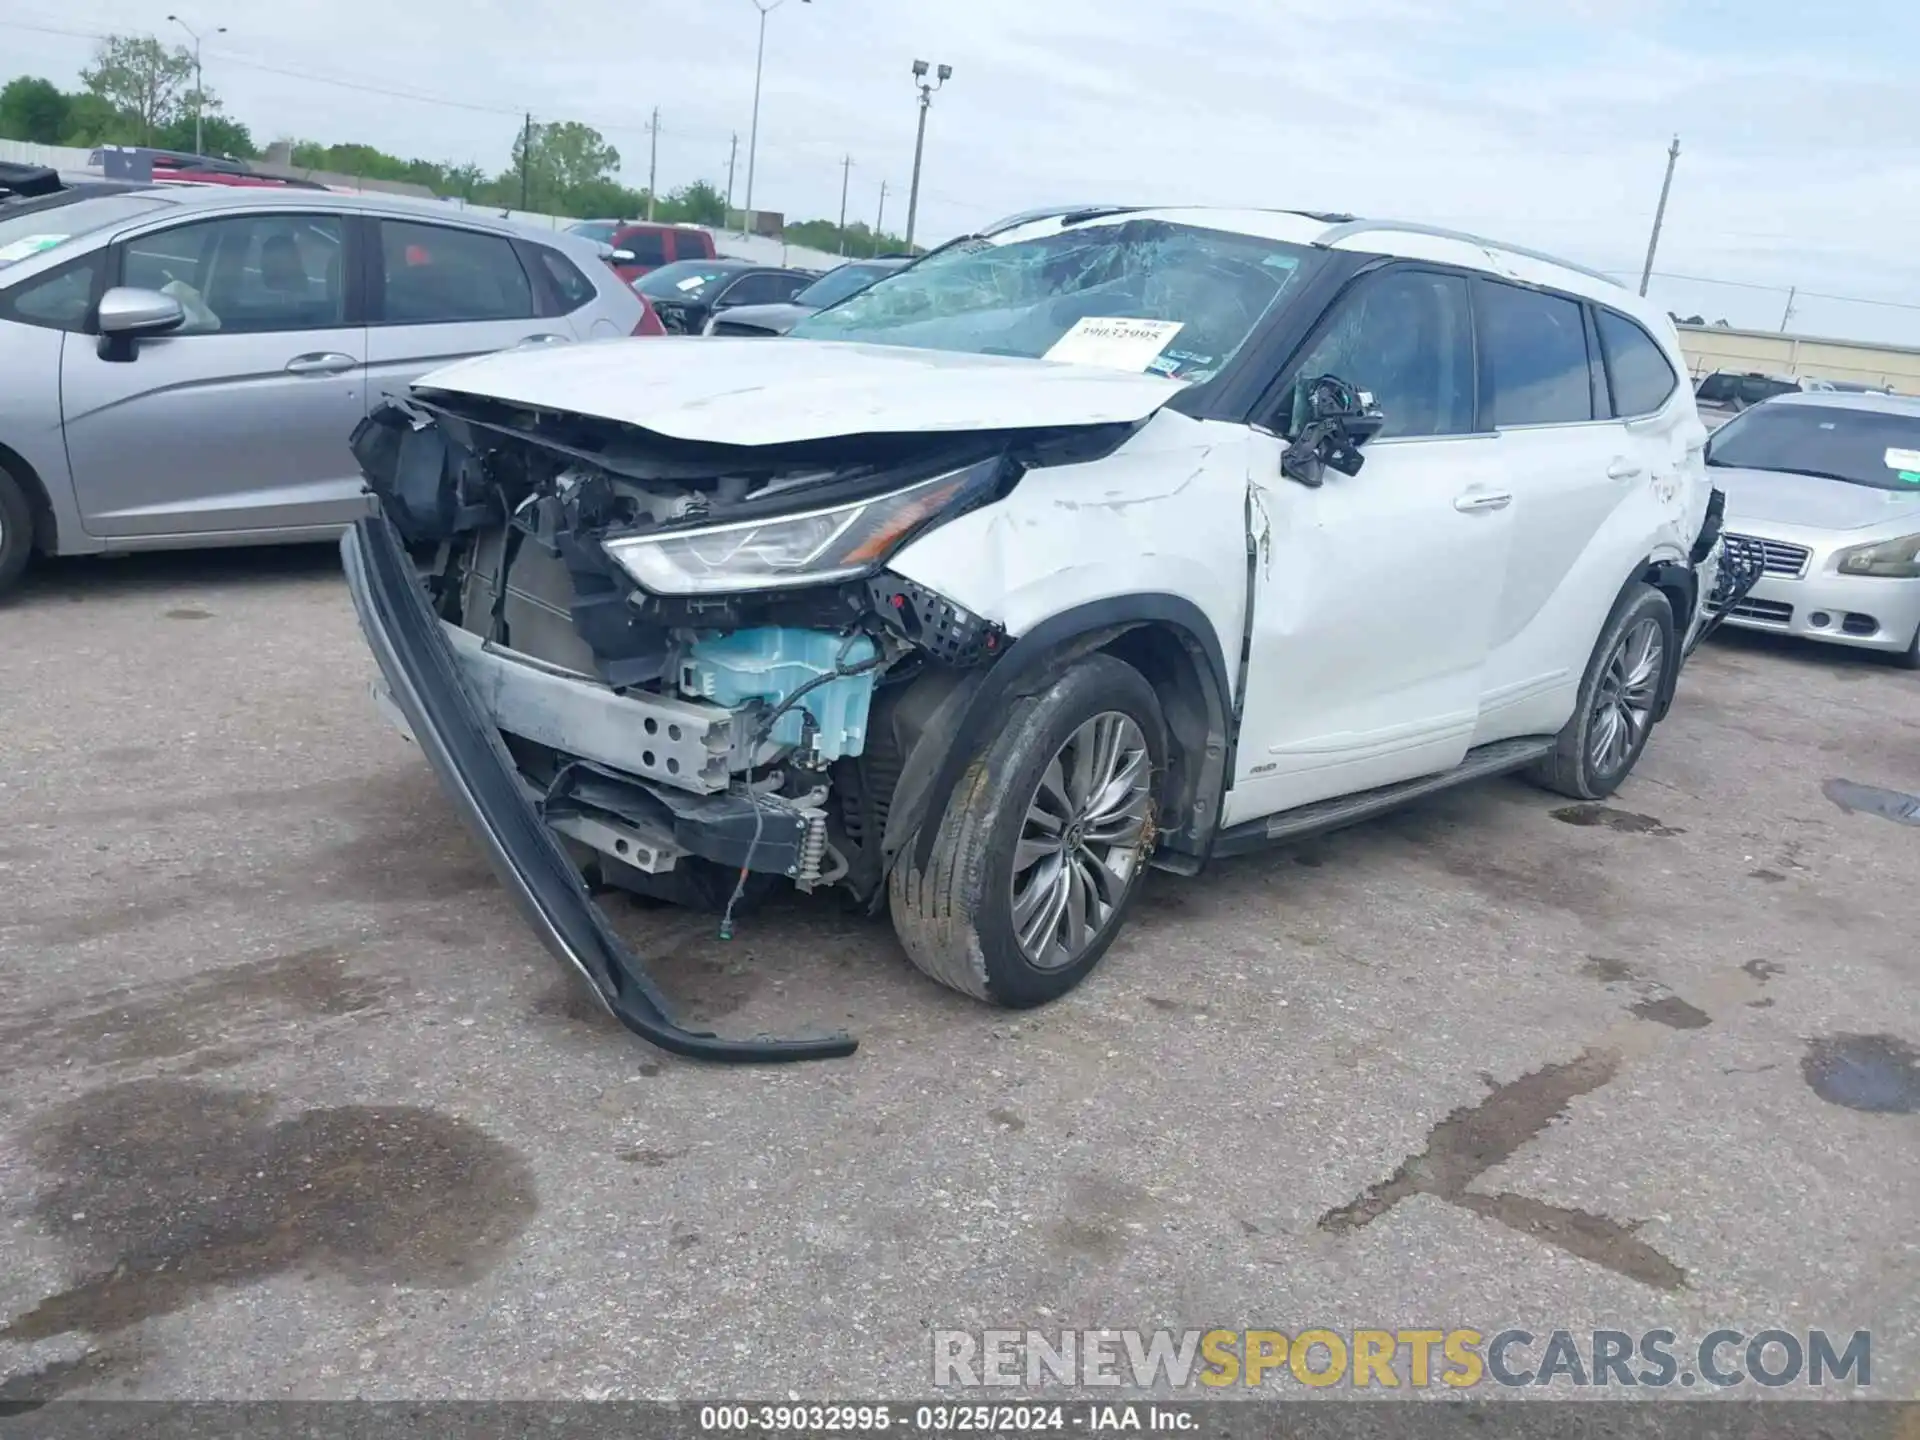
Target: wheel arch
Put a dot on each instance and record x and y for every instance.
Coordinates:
(46, 530)
(1676, 580)
(1165, 637)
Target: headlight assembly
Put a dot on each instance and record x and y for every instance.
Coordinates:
(813, 547)
(1891, 559)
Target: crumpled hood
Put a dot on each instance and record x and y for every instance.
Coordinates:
(1783, 499)
(740, 390)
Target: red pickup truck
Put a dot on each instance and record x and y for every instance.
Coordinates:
(649, 245)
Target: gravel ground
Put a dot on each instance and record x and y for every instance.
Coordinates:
(296, 1106)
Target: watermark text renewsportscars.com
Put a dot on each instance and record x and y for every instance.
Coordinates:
(1400, 1358)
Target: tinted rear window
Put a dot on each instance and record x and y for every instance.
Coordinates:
(1637, 368)
(437, 275)
(1537, 351)
(573, 288)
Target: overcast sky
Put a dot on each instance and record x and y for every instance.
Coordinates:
(1542, 121)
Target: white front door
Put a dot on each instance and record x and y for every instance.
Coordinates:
(1374, 594)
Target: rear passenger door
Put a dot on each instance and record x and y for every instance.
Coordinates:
(440, 293)
(1568, 466)
(237, 421)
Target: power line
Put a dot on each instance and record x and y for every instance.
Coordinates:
(1778, 289)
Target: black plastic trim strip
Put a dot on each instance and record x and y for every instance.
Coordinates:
(478, 774)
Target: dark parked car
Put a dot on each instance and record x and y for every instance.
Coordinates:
(646, 245)
(838, 284)
(1725, 393)
(686, 294)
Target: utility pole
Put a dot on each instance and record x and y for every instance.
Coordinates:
(941, 76)
(1792, 291)
(1659, 215)
(765, 7)
(653, 159)
(199, 83)
(733, 153)
(880, 219)
(526, 156)
(846, 172)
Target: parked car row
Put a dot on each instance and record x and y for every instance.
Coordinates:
(185, 364)
(192, 357)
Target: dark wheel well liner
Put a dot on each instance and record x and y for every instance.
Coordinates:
(1681, 586)
(46, 537)
(1168, 639)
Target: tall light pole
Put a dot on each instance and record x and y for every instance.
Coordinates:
(940, 77)
(199, 80)
(765, 7)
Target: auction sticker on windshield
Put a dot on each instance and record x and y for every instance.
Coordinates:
(28, 245)
(1116, 343)
(1903, 459)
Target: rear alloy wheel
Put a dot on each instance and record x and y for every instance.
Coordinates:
(1044, 843)
(1617, 701)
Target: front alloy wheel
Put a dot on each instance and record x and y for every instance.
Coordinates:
(1080, 841)
(1043, 844)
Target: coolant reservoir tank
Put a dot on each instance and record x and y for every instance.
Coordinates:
(770, 663)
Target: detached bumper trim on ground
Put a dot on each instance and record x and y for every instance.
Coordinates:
(425, 684)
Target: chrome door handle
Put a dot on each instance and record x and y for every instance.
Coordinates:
(322, 362)
(546, 339)
(1476, 500)
(1623, 469)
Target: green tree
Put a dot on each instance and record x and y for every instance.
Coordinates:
(560, 158)
(464, 181)
(92, 121)
(860, 237)
(144, 80)
(33, 110)
(218, 136)
(697, 204)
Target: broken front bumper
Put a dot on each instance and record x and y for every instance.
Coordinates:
(425, 685)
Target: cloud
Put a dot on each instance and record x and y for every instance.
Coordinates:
(1546, 124)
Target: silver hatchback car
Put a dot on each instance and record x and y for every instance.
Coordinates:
(185, 365)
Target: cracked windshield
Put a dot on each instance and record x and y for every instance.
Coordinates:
(1144, 295)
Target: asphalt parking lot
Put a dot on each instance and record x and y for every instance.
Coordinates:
(295, 1105)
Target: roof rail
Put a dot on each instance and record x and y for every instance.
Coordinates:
(1408, 227)
(1050, 212)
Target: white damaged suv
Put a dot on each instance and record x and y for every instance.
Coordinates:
(1105, 539)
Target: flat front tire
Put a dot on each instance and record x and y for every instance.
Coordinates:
(1043, 844)
(1619, 694)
